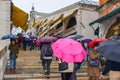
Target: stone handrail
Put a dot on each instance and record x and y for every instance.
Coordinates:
(3, 51)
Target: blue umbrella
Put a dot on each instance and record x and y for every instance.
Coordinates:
(75, 37)
(9, 36)
(110, 50)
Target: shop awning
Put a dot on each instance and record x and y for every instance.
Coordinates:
(19, 17)
(114, 12)
(68, 16)
(55, 24)
(25, 27)
(55, 20)
(61, 19)
(37, 24)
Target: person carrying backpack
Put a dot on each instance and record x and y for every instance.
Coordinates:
(46, 57)
(93, 64)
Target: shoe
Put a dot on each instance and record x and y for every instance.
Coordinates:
(47, 76)
(45, 72)
(14, 69)
(10, 70)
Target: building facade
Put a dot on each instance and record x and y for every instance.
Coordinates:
(109, 18)
(73, 19)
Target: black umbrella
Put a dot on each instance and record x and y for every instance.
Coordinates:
(110, 50)
(115, 37)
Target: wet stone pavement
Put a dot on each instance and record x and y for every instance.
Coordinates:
(29, 68)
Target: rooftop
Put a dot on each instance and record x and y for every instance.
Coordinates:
(89, 2)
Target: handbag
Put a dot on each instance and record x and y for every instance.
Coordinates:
(63, 66)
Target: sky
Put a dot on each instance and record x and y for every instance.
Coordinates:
(44, 6)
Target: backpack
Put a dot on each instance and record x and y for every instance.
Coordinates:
(48, 51)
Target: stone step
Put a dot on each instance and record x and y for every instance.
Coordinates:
(79, 78)
(38, 71)
(56, 75)
(33, 62)
(38, 75)
(39, 67)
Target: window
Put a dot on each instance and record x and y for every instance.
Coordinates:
(71, 22)
(59, 25)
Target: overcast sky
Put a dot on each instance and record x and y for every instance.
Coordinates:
(45, 6)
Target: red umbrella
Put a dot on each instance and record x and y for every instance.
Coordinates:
(95, 41)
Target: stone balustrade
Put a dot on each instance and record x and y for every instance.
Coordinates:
(3, 61)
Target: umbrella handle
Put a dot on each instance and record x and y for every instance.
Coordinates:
(59, 60)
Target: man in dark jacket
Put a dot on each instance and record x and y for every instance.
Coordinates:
(113, 68)
(46, 57)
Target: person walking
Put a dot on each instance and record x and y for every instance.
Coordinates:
(94, 63)
(46, 57)
(14, 50)
(113, 68)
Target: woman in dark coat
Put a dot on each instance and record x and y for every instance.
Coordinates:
(13, 47)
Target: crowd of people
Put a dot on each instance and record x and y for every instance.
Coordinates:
(96, 61)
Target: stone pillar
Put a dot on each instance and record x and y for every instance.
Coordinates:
(4, 29)
(79, 20)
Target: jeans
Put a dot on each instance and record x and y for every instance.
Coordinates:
(76, 67)
(46, 65)
(12, 61)
(66, 76)
(71, 75)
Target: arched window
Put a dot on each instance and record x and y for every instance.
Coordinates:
(59, 25)
(71, 22)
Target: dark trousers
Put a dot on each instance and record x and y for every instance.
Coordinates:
(66, 76)
(76, 67)
(46, 65)
(72, 75)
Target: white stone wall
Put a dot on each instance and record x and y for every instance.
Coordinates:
(4, 21)
(4, 29)
(87, 17)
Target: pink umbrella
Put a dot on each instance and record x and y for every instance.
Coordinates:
(69, 50)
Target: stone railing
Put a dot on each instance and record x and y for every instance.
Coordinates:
(3, 61)
(2, 52)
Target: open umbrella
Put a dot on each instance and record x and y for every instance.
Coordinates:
(97, 40)
(75, 37)
(87, 41)
(38, 42)
(69, 50)
(110, 50)
(32, 37)
(26, 36)
(115, 37)
(48, 39)
(9, 36)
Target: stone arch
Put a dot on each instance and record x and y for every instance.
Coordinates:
(113, 30)
(71, 22)
(59, 25)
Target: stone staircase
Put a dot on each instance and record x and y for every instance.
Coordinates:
(29, 68)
